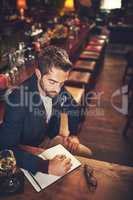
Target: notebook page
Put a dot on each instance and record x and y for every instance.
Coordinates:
(60, 150)
(42, 180)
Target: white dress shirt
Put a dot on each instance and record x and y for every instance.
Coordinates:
(47, 102)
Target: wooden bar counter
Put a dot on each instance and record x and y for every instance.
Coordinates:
(115, 182)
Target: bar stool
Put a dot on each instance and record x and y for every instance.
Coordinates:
(96, 42)
(78, 95)
(89, 56)
(129, 121)
(128, 73)
(88, 67)
(85, 66)
(79, 79)
(101, 37)
(93, 48)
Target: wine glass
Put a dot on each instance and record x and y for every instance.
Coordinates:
(9, 183)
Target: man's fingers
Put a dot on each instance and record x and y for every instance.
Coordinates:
(68, 167)
(65, 141)
(67, 161)
(70, 144)
(60, 157)
(73, 139)
(75, 146)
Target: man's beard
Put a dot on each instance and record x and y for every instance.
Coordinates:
(50, 94)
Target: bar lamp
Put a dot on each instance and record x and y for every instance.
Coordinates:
(21, 5)
(69, 5)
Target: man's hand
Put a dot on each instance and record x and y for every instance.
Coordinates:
(59, 165)
(71, 143)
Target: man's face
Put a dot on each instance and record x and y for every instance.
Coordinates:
(52, 82)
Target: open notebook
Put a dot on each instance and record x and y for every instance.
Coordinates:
(42, 180)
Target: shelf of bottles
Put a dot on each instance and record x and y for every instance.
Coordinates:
(62, 29)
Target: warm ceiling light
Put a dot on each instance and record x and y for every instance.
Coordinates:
(69, 5)
(21, 4)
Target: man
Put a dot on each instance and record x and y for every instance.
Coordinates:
(29, 108)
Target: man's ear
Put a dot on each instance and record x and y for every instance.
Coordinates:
(38, 73)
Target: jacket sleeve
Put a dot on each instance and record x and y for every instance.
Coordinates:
(10, 132)
(10, 129)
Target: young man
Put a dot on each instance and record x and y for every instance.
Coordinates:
(29, 108)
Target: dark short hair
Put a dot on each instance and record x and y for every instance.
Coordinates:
(53, 56)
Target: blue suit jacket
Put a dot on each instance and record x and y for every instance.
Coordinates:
(25, 121)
